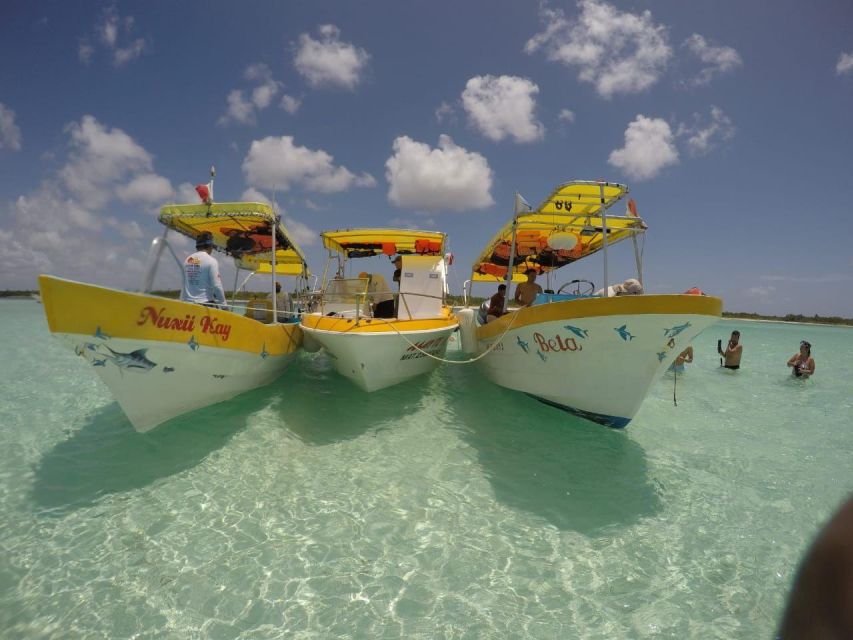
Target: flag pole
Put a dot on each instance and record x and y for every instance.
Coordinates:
(517, 208)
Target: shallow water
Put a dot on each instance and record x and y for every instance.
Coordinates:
(441, 508)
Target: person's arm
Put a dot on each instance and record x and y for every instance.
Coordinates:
(216, 283)
(688, 356)
(517, 291)
(792, 361)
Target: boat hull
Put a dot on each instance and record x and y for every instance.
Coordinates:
(595, 357)
(161, 358)
(377, 354)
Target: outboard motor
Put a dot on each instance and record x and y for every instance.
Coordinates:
(467, 330)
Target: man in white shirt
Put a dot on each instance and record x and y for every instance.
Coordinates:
(202, 283)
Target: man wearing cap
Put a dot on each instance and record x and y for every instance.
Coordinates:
(526, 292)
(202, 283)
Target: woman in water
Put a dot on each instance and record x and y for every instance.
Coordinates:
(802, 363)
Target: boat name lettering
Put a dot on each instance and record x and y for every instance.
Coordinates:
(556, 344)
(161, 321)
(209, 324)
(158, 318)
(434, 347)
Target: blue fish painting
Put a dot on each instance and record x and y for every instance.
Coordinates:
(674, 331)
(133, 361)
(99, 362)
(521, 343)
(541, 355)
(193, 344)
(624, 333)
(100, 334)
(661, 355)
(580, 333)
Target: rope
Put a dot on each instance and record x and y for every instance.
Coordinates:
(445, 360)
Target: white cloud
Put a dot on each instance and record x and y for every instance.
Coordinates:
(503, 107)
(242, 109)
(618, 52)
(763, 294)
(329, 61)
(845, 63)
(445, 178)
(566, 115)
(649, 147)
(301, 233)
(717, 60)
(703, 137)
(444, 112)
(10, 134)
(186, 193)
(277, 163)
(290, 104)
(53, 228)
(239, 109)
(100, 157)
(147, 188)
(114, 34)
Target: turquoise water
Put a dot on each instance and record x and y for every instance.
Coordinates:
(441, 508)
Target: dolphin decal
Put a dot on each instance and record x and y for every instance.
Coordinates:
(133, 361)
(99, 362)
(580, 333)
(624, 333)
(193, 344)
(541, 355)
(674, 331)
(521, 343)
(661, 355)
(100, 334)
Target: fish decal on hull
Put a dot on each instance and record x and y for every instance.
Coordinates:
(624, 333)
(580, 333)
(100, 334)
(674, 331)
(133, 361)
(521, 343)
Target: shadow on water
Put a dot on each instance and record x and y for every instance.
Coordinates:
(107, 456)
(321, 407)
(575, 474)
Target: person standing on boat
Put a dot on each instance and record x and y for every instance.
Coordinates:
(202, 283)
(733, 352)
(802, 363)
(526, 292)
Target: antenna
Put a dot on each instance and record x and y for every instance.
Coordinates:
(212, 176)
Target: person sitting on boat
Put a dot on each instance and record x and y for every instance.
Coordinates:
(202, 283)
(496, 304)
(733, 352)
(802, 363)
(398, 269)
(683, 358)
(282, 303)
(526, 292)
(380, 294)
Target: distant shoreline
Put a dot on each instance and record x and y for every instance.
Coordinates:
(814, 324)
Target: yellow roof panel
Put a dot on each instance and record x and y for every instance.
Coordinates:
(570, 215)
(361, 243)
(242, 230)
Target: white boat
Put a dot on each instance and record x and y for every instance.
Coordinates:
(594, 355)
(377, 352)
(162, 357)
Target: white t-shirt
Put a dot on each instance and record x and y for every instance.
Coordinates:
(201, 279)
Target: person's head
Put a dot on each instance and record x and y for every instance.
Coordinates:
(805, 348)
(398, 262)
(735, 337)
(364, 275)
(531, 275)
(502, 288)
(204, 241)
(278, 287)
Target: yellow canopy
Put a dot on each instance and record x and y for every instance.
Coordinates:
(566, 227)
(242, 230)
(361, 243)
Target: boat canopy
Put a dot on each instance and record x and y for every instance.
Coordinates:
(242, 230)
(566, 227)
(363, 243)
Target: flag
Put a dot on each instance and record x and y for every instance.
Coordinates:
(205, 192)
(521, 205)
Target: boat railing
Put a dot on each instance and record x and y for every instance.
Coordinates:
(364, 304)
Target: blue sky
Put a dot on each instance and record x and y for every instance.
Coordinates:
(729, 121)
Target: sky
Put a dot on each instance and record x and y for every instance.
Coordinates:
(730, 121)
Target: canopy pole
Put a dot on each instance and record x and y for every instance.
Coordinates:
(638, 259)
(511, 256)
(236, 278)
(272, 275)
(604, 239)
